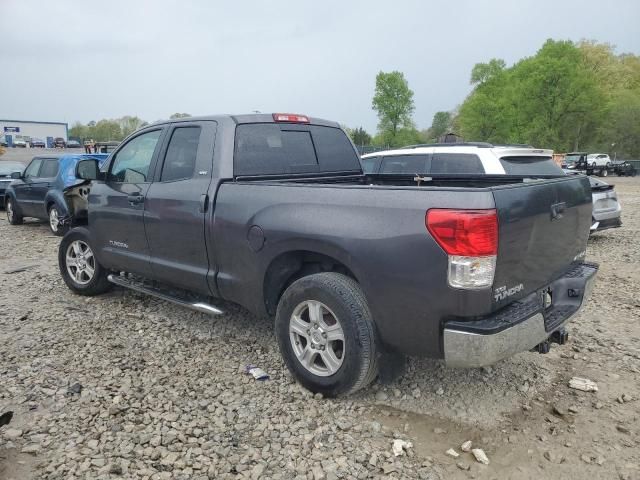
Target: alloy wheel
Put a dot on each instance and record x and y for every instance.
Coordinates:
(317, 338)
(54, 219)
(80, 262)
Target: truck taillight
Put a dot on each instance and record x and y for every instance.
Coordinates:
(290, 118)
(470, 239)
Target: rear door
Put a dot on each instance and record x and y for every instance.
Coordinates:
(543, 230)
(177, 203)
(116, 211)
(40, 185)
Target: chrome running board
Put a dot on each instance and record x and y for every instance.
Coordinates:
(139, 286)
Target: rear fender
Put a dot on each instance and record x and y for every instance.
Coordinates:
(57, 197)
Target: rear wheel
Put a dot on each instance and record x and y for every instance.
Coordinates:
(55, 224)
(604, 172)
(326, 334)
(79, 266)
(13, 217)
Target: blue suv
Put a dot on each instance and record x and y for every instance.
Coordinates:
(45, 190)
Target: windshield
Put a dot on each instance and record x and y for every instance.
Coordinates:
(7, 168)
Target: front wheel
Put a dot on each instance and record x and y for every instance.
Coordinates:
(326, 334)
(79, 266)
(594, 165)
(55, 224)
(13, 216)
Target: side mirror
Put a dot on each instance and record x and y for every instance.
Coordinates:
(16, 175)
(87, 169)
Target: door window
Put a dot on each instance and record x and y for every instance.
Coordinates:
(49, 168)
(32, 169)
(407, 164)
(456, 163)
(132, 162)
(370, 164)
(180, 159)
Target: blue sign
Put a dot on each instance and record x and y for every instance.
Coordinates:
(12, 129)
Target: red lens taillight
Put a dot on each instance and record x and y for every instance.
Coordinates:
(468, 233)
(290, 118)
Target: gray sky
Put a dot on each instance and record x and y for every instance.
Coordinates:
(86, 60)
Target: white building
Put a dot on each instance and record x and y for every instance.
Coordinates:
(12, 130)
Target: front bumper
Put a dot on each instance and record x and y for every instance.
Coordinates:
(521, 326)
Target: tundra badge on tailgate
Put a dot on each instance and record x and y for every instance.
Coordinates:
(501, 293)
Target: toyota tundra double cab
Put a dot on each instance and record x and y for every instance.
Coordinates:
(274, 212)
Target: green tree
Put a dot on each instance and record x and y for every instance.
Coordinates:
(360, 136)
(440, 125)
(393, 102)
(486, 71)
(106, 130)
(78, 130)
(549, 100)
(129, 124)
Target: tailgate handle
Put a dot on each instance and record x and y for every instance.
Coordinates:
(557, 209)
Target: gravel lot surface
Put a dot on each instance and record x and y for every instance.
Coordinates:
(127, 386)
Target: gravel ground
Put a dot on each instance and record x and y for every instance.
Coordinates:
(127, 386)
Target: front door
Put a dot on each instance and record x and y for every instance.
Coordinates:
(24, 188)
(176, 205)
(40, 185)
(116, 205)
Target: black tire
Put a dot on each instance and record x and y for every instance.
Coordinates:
(604, 172)
(13, 216)
(345, 299)
(594, 165)
(98, 283)
(61, 229)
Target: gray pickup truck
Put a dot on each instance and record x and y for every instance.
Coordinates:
(273, 212)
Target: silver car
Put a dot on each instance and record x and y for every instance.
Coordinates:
(606, 208)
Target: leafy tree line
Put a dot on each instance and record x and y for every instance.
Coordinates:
(111, 129)
(568, 96)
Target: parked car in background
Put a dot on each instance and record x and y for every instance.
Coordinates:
(73, 144)
(45, 190)
(37, 143)
(19, 143)
(273, 212)
(622, 168)
(6, 169)
(462, 159)
(607, 210)
(484, 158)
(598, 160)
(106, 147)
(59, 142)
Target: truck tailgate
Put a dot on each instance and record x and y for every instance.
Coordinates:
(543, 230)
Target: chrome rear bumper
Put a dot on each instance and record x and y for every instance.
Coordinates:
(506, 336)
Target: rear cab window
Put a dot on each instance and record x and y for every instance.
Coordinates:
(283, 148)
(530, 165)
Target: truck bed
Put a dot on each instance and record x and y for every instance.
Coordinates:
(375, 224)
